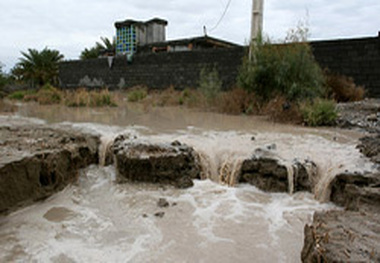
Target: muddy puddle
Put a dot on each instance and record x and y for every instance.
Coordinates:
(97, 220)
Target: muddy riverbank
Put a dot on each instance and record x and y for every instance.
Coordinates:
(37, 160)
(95, 218)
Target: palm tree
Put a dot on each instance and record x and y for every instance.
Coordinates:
(94, 52)
(38, 67)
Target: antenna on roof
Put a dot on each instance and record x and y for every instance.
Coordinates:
(205, 31)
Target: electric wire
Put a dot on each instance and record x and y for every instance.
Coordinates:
(223, 15)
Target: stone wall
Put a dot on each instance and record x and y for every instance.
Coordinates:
(357, 58)
(156, 70)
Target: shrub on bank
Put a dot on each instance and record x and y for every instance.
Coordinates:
(279, 109)
(20, 94)
(343, 89)
(319, 112)
(137, 95)
(85, 98)
(48, 95)
(210, 85)
(237, 101)
(288, 70)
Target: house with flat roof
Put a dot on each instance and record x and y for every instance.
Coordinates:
(150, 37)
(130, 34)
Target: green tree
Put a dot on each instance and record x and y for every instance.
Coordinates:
(287, 69)
(94, 52)
(38, 67)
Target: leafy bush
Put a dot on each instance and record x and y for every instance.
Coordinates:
(21, 94)
(343, 89)
(3, 80)
(210, 84)
(85, 98)
(48, 95)
(319, 112)
(237, 101)
(78, 98)
(102, 98)
(288, 69)
(279, 109)
(137, 95)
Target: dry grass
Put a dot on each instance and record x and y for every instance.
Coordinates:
(94, 98)
(47, 95)
(237, 101)
(343, 89)
(283, 111)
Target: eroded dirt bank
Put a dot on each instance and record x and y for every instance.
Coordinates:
(37, 161)
(351, 234)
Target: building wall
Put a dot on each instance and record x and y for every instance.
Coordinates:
(155, 70)
(358, 58)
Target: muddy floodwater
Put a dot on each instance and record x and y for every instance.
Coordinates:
(98, 220)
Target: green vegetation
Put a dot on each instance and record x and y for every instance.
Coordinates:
(4, 80)
(342, 88)
(319, 112)
(21, 94)
(48, 95)
(38, 67)
(85, 98)
(290, 85)
(102, 98)
(287, 69)
(137, 95)
(94, 52)
(210, 84)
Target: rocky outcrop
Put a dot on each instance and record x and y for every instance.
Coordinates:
(356, 191)
(269, 173)
(175, 164)
(363, 115)
(350, 235)
(37, 161)
(342, 236)
(370, 147)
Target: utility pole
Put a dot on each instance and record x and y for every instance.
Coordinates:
(256, 24)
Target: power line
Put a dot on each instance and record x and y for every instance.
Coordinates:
(221, 18)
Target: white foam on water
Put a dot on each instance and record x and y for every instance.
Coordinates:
(116, 223)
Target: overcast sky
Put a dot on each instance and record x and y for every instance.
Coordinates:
(71, 25)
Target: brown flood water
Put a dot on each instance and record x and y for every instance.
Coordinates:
(97, 220)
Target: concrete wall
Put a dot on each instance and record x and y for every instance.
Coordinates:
(358, 58)
(156, 70)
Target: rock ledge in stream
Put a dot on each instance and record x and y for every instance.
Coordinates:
(370, 147)
(350, 235)
(342, 236)
(37, 161)
(173, 164)
(269, 173)
(356, 191)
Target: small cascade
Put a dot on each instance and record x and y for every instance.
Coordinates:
(105, 155)
(209, 167)
(229, 171)
(291, 169)
(322, 189)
